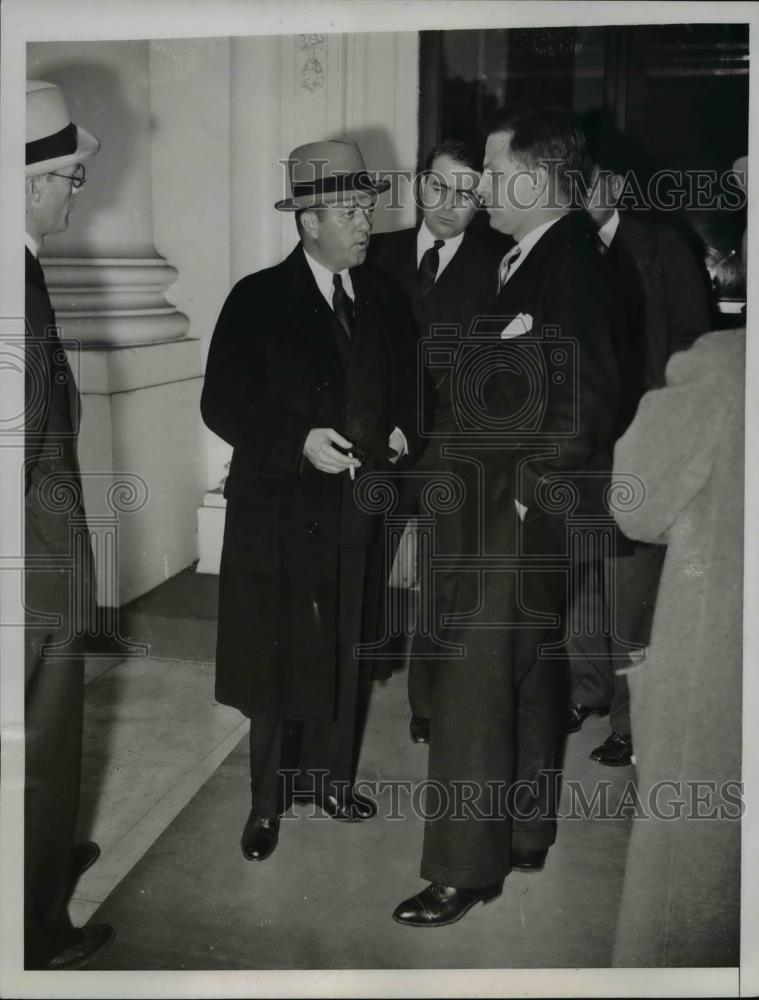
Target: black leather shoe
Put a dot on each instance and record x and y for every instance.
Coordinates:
(419, 729)
(440, 905)
(87, 942)
(260, 836)
(616, 751)
(84, 857)
(579, 713)
(529, 861)
(355, 809)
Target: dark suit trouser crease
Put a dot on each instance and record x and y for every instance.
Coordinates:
(324, 754)
(54, 710)
(491, 733)
(595, 656)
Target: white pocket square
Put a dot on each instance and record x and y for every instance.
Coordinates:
(520, 325)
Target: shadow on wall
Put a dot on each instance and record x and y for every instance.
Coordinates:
(380, 153)
(108, 216)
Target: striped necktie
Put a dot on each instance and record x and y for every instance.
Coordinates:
(506, 265)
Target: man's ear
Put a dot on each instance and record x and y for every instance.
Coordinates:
(539, 177)
(310, 222)
(616, 186)
(34, 187)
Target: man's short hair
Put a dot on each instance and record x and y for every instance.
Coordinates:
(458, 150)
(551, 136)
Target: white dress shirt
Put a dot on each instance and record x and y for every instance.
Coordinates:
(32, 245)
(526, 244)
(608, 230)
(324, 279)
(425, 240)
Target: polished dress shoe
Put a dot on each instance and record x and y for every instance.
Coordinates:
(83, 857)
(528, 861)
(419, 729)
(579, 713)
(260, 836)
(616, 751)
(353, 809)
(87, 941)
(440, 905)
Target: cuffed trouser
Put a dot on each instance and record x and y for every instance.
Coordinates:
(322, 755)
(596, 654)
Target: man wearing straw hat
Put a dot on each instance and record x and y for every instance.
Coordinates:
(311, 377)
(57, 595)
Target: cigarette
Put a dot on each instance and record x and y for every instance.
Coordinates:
(351, 469)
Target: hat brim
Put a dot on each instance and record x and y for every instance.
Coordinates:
(326, 199)
(87, 145)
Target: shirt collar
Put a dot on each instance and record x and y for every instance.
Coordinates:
(32, 245)
(324, 278)
(425, 239)
(528, 242)
(608, 230)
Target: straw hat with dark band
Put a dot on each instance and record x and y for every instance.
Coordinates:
(52, 140)
(326, 173)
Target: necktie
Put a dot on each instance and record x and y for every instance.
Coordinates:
(428, 266)
(603, 249)
(506, 264)
(342, 304)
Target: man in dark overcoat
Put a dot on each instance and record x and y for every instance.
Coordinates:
(59, 583)
(311, 377)
(666, 309)
(449, 276)
(535, 396)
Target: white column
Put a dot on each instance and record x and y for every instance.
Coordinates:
(105, 278)
(138, 373)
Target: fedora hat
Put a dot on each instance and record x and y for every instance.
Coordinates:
(324, 173)
(52, 140)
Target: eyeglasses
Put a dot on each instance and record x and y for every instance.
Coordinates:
(77, 178)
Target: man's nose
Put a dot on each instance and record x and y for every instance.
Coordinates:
(364, 219)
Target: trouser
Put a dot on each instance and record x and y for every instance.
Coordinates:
(53, 725)
(289, 755)
(492, 765)
(621, 592)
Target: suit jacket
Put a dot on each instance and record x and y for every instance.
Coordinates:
(458, 297)
(460, 293)
(535, 416)
(564, 409)
(277, 367)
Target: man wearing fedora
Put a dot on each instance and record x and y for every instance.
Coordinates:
(311, 378)
(62, 591)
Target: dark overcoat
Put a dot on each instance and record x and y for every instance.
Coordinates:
(278, 367)
(673, 291)
(59, 591)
